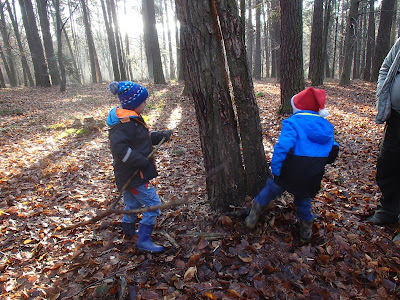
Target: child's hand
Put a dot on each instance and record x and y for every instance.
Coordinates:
(167, 134)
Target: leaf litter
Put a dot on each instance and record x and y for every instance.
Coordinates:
(56, 169)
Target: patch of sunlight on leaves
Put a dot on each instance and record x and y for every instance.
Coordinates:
(56, 126)
(175, 117)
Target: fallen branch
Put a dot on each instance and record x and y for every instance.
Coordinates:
(125, 212)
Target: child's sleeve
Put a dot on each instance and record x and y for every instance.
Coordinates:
(334, 153)
(286, 142)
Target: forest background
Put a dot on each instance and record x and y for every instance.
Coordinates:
(56, 167)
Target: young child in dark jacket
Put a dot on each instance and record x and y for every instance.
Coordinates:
(305, 145)
(131, 142)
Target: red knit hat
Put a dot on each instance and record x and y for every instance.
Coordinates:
(310, 99)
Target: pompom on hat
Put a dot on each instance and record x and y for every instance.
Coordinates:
(130, 94)
(310, 99)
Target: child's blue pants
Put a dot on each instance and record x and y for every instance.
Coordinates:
(272, 190)
(141, 195)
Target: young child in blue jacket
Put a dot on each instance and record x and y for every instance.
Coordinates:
(131, 142)
(305, 145)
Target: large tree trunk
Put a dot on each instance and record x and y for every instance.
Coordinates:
(24, 62)
(316, 68)
(35, 44)
(151, 43)
(12, 75)
(292, 73)
(349, 43)
(94, 63)
(383, 38)
(246, 105)
(370, 41)
(59, 43)
(204, 68)
(48, 42)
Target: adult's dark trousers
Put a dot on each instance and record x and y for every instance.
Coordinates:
(388, 168)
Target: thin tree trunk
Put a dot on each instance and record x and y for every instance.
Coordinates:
(48, 42)
(59, 43)
(118, 40)
(266, 44)
(12, 77)
(2, 83)
(383, 38)
(111, 43)
(24, 62)
(250, 34)
(325, 41)
(35, 45)
(292, 74)
(171, 56)
(370, 41)
(349, 43)
(152, 45)
(316, 49)
(257, 54)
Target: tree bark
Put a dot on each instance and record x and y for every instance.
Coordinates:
(94, 63)
(257, 54)
(63, 81)
(111, 43)
(370, 41)
(12, 76)
(48, 42)
(349, 43)
(24, 62)
(171, 57)
(255, 164)
(118, 40)
(204, 68)
(35, 45)
(316, 49)
(292, 73)
(383, 38)
(151, 43)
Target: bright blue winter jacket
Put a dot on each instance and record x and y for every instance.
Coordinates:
(306, 144)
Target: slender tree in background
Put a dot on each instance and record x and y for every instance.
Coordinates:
(118, 40)
(292, 74)
(59, 43)
(204, 68)
(383, 38)
(325, 41)
(2, 82)
(275, 39)
(257, 53)
(370, 41)
(250, 33)
(48, 42)
(178, 47)
(25, 67)
(266, 41)
(316, 68)
(4, 59)
(35, 45)
(12, 76)
(255, 163)
(349, 43)
(94, 62)
(151, 43)
(111, 43)
(171, 57)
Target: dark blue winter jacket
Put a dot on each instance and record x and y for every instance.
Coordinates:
(131, 143)
(306, 144)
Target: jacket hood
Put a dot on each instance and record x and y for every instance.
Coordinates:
(318, 130)
(116, 114)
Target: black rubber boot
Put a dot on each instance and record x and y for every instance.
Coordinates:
(254, 215)
(129, 229)
(305, 230)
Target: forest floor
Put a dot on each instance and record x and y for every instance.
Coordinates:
(56, 170)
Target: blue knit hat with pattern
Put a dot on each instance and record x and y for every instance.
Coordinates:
(130, 94)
